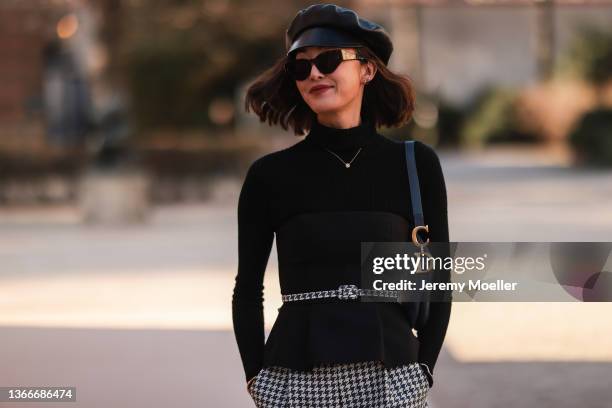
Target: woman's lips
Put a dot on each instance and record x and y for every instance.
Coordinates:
(319, 90)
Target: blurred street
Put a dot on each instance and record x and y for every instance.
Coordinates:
(139, 316)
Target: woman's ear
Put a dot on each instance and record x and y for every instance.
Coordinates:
(370, 71)
(373, 69)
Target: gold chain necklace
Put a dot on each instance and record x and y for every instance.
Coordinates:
(346, 164)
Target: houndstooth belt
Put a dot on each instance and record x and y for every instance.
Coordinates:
(343, 292)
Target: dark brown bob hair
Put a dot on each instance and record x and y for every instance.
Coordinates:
(388, 99)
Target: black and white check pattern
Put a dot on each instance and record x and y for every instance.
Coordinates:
(343, 292)
(367, 384)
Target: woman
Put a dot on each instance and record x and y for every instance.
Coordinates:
(341, 185)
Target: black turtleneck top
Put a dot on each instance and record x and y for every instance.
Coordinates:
(320, 211)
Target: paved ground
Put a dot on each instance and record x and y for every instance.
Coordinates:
(139, 316)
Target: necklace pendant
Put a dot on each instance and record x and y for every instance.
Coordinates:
(347, 165)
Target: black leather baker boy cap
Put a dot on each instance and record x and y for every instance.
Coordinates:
(334, 26)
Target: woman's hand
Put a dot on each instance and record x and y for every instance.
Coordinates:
(427, 373)
(249, 384)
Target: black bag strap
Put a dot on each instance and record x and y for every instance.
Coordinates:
(419, 219)
(413, 179)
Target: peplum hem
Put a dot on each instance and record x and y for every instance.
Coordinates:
(308, 333)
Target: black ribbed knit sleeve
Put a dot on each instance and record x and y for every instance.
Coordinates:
(434, 200)
(255, 236)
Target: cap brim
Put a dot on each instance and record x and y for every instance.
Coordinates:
(324, 37)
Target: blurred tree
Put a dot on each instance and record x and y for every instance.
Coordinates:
(589, 56)
(450, 122)
(182, 57)
(592, 138)
(434, 121)
(493, 117)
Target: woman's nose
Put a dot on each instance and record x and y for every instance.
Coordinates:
(314, 72)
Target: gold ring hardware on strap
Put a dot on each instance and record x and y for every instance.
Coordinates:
(424, 266)
(415, 237)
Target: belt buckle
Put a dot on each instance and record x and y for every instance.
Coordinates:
(348, 292)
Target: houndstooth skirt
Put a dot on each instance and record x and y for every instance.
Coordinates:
(332, 385)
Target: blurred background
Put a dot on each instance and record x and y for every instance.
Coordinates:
(124, 143)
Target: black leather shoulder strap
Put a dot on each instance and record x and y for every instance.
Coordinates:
(422, 307)
(413, 179)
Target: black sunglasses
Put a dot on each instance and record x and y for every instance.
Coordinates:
(326, 62)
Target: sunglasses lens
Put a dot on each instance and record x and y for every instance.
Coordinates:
(299, 69)
(328, 61)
